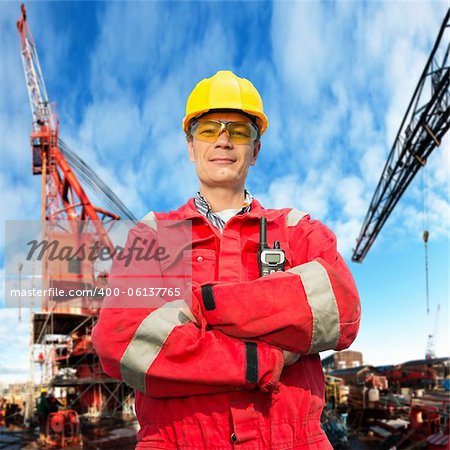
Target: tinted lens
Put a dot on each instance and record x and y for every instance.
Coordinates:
(242, 132)
(210, 130)
(207, 130)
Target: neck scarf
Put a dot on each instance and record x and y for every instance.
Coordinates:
(204, 208)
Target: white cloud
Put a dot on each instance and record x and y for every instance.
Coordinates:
(113, 127)
(15, 114)
(346, 232)
(362, 65)
(371, 165)
(13, 348)
(310, 194)
(349, 193)
(438, 173)
(133, 138)
(301, 40)
(136, 131)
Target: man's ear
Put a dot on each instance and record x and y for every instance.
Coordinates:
(190, 145)
(256, 149)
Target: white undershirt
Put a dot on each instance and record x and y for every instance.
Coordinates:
(227, 214)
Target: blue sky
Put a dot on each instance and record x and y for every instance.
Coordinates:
(335, 77)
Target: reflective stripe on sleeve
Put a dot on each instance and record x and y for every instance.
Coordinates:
(148, 340)
(294, 216)
(150, 220)
(322, 301)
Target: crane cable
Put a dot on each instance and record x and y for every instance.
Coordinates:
(426, 233)
(98, 186)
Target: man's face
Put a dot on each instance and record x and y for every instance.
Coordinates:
(223, 162)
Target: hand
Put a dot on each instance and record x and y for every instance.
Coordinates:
(290, 357)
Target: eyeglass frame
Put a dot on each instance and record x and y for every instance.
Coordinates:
(224, 127)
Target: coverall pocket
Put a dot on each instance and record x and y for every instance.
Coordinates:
(250, 259)
(203, 263)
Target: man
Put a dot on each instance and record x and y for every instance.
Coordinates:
(43, 411)
(53, 402)
(241, 368)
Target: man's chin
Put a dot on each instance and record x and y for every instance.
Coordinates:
(223, 181)
(224, 175)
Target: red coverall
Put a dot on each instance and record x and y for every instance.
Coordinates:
(215, 379)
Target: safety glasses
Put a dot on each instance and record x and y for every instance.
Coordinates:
(210, 130)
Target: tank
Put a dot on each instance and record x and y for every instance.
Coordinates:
(374, 395)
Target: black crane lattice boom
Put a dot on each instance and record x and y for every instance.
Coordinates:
(425, 123)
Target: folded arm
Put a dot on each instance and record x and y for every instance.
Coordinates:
(313, 306)
(163, 352)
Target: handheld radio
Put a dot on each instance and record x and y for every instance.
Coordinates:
(269, 259)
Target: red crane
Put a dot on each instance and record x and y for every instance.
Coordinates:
(63, 197)
(66, 208)
(68, 215)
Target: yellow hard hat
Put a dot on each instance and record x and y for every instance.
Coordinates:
(225, 90)
(43, 390)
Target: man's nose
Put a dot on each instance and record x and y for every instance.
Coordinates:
(224, 140)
